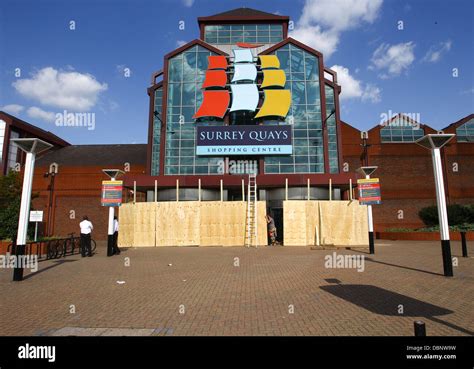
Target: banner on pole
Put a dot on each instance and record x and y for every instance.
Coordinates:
(112, 193)
(369, 191)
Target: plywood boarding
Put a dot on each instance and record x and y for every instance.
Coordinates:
(336, 223)
(144, 225)
(294, 223)
(343, 223)
(261, 223)
(177, 223)
(126, 217)
(210, 223)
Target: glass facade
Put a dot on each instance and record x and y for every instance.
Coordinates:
(401, 130)
(253, 33)
(465, 132)
(332, 130)
(302, 73)
(185, 76)
(12, 151)
(155, 151)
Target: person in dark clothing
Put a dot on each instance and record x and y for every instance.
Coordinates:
(86, 229)
(116, 250)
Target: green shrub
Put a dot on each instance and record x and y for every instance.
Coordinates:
(457, 215)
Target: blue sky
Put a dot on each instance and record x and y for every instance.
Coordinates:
(45, 67)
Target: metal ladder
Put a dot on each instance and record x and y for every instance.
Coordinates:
(251, 231)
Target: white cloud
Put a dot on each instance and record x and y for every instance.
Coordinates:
(352, 88)
(323, 21)
(393, 59)
(188, 3)
(37, 113)
(66, 90)
(14, 109)
(436, 51)
(180, 43)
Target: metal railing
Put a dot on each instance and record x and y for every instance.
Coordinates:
(54, 248)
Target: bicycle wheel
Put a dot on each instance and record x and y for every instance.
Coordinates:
(93, 245)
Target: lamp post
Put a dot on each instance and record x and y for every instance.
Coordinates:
(112, 174)
(31, 146)
(435, 142)
(53, 171)
(367, 171)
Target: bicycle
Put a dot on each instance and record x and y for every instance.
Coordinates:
(72, 243)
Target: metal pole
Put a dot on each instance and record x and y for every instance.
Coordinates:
(177, 190)
(371, 226)
(36, 231)
(24, 212)
(442, 214)
(199, 189)
(222, 191)
(110, 229)
(156, 190)
(350, 189)
(330, 189)
(308, 190)
(286, 189)
(134, 192)
(243, 190)
(464, 244)
(420, 328)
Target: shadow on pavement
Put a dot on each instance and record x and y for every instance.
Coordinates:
(56, 263)
(384, 302)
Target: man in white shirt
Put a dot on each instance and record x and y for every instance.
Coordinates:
(116, 250)
(86, 229)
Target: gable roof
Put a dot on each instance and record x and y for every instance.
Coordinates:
(460, 122)
(243, 14)
(35, 131)
(96, 155)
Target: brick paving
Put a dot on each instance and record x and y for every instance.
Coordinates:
(273, 291)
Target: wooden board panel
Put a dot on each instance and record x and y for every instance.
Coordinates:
(343, 223)
(144, 226)
(294, 223)
(126, 218)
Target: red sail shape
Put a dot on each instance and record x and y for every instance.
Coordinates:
(215, 78)
(217, 62)
(214, 104)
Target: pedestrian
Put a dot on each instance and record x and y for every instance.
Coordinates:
(272, 231)
(86, 229)
(115, 247)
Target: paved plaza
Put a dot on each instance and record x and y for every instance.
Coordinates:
(175, 291)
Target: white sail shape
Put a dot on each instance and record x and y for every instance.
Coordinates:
(245, 72)
(242, 56)
(244, 97)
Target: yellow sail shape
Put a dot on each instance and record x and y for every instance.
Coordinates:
(276, 103)
(273, 77)
(269, 61)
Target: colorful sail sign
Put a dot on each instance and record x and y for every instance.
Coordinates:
(214, 104)
(269, 61)
(244, 97)
(273, 78)
(217, 62)
(215, 78)
(276, 103)
(244, 72)
(242, 56)
(248, 45)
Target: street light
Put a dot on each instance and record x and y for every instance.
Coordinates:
(31, 146)
(367, 171)
(112, 174)
(435, 142)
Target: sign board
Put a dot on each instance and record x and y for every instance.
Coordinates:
(369, 191)
(244, 140)
(112, 193)
(36, 215)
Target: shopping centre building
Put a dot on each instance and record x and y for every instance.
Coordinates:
(244, 99)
